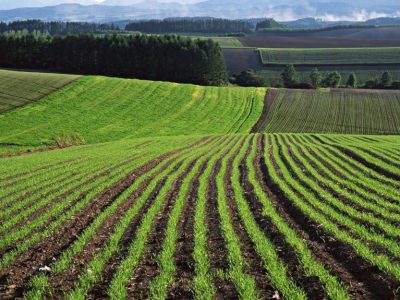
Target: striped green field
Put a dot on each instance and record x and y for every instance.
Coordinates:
(104, 109)
(330, 56)
(21, 88)
(174, 197)
(333, 111)
(212, 217)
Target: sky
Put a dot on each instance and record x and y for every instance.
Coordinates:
(10, 4)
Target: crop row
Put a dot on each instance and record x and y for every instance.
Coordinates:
(253, 216)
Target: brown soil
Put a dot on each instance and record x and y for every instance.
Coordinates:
(363, 280)
(13, 280)
(262, 122)
(238, 60)
(339, 38)
(181, 289)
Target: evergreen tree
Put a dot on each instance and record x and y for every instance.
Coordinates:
(168, 58)
(316, 78)
(289, 75)
(352, 80)
(386, 79)
(333, 80)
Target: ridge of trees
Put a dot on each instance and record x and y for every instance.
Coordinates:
(168, 58)
(56, 27)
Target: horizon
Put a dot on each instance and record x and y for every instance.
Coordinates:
(325, 10)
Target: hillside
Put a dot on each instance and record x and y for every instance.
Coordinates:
(336, 111)
(20, 88)
(104, 109)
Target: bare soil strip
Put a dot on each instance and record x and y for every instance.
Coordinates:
(262, 122)
(363, 280)
(217, 252)
(13, 280)
(255, 266)
(184, 261)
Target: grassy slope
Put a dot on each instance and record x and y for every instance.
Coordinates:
(344, 111)
(330, 56)
(21, 88)
(104, 109)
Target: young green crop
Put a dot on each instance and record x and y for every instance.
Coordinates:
(316, 111)
(104, 109)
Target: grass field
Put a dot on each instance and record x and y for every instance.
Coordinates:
(20, 88)
(104, 109)
(333, 56)
(335, 111)
(234, 216)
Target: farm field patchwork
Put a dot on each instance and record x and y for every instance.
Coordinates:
(20, 88)
(223, 216)
(331, 111)
(102, 109)
(330, 56)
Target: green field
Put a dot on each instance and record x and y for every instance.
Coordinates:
(335, 111)
(331, 56)
(20, 88)
(104, 109)
(179, 194)
(259, 212)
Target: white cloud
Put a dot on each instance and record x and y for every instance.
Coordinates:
(359, 16)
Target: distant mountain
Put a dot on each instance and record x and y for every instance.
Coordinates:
(313, 23)
(114, 10)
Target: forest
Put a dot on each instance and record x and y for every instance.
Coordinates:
(167, 58)
(191, 25)
(56, 27)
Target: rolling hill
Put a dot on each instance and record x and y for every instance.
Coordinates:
(104, 109)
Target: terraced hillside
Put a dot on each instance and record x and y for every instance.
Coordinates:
(331, 111)
(231, 216)
(21, 88)
(104, 109)
(330, 56)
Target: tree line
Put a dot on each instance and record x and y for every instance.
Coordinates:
(334, 80)
(317, 79)
(56, 28)
(167, 58)
(191, 25)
